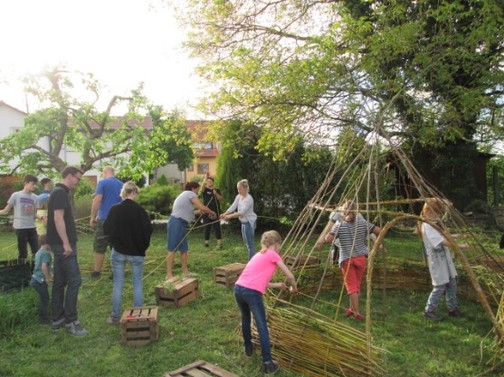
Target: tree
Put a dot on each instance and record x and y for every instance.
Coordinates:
(424, 72)
(281, 188)
(73, 122)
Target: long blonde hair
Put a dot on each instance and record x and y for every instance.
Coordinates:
(431, 205)
(268, 239)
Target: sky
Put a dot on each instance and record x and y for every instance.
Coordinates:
(122, 42)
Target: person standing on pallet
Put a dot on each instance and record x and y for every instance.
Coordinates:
(106, 195)
(182, 214)
(129, 229)
(62, 237)
(211, 198)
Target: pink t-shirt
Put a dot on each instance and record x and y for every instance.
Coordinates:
(259, 271)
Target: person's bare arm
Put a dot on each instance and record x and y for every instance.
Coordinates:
(95, 206)
(59, 222)
(6, 210)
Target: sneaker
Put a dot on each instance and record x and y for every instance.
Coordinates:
(249, 349)
(270, 367)
(113, 321)
(76, 329)
(433, 316)
(207, 245)
(455, 312)
(95, 275)
(60, 323)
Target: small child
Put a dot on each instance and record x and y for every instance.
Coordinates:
(41, 216)
(249, 289)
(441, 266)
(41, 277)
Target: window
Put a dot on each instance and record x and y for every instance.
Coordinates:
(203, 168)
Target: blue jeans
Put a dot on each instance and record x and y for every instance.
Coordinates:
(250, 302)
(118, 262)
(449, 290)
(43, 293)
(247, 230)
(66, 283)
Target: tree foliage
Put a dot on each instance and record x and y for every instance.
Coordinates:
(72, 122)
(281, 188)
(424, 72)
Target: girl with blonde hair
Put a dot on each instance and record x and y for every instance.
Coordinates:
(440, 261)
(244, 207)
(251, 286)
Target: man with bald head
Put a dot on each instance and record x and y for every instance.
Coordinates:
(108, 193)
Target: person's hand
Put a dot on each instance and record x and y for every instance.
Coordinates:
(67, 250)
(93, 220)
(318, 245)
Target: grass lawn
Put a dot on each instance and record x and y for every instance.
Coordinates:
(206, 328)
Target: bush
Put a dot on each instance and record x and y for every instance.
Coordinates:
(83, 206)
(158, 199)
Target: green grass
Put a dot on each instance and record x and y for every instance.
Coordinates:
(206, 328)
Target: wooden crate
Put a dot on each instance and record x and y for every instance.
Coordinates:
(226, 276)
(200, 369)
(139, 326)
(301, 261)
(180, 292)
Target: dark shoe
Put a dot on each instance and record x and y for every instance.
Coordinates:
(433, 316)
(95, 275)
(270, 367)
(207, 245)
(113, 321)
(249, 349)
(454, 313)
(76, 329)
(60, 323)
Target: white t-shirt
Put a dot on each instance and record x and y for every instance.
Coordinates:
(25, 207)
(439, 257)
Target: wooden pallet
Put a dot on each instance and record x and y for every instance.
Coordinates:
(139, 326)
(180, 292)
(200, 368)
(226, 276)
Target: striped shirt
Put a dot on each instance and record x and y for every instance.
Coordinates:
(352, 237)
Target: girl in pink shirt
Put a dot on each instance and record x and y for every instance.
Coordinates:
(249, 289)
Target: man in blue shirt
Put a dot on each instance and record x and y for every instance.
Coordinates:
(108, 193)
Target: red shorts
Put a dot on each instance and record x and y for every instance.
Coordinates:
(353, 269)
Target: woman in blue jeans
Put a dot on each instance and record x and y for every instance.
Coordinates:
(129, 229)
(251, 286)
(244, 207)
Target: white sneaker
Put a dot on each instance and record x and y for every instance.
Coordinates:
(76, 329)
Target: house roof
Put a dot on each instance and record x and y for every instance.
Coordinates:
(2, 103)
